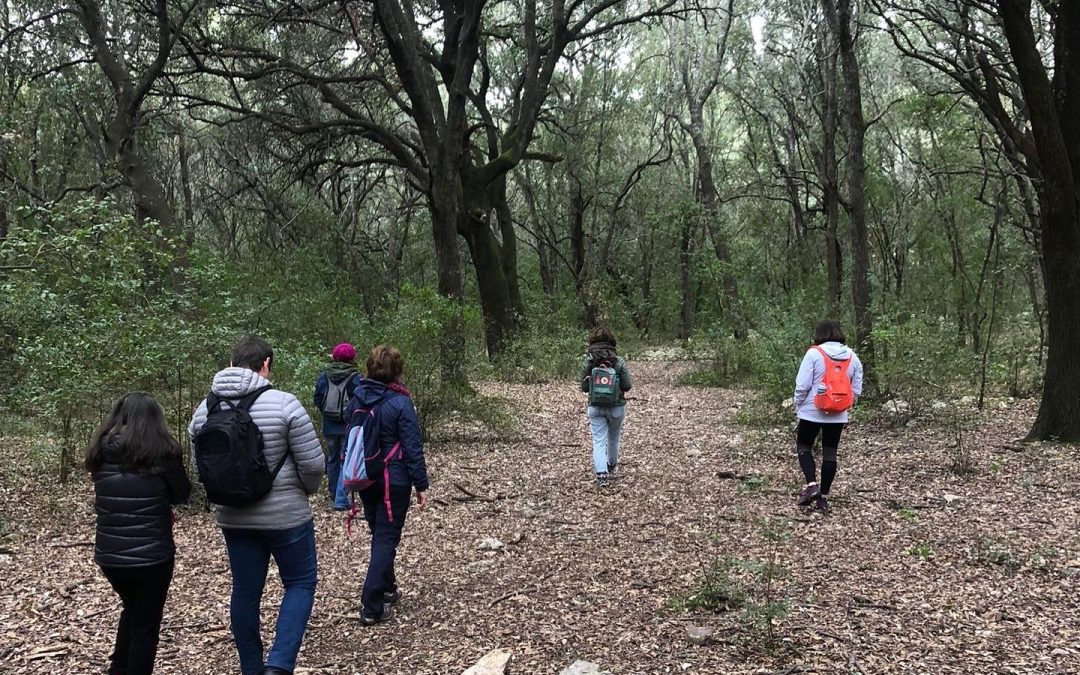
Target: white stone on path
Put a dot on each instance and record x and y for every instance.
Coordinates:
(699, 635)
(580, 667)
(493, 663)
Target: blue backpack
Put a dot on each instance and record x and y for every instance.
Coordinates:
(363, 462)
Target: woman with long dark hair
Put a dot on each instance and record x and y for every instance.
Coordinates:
(605, 377)
(138, 475)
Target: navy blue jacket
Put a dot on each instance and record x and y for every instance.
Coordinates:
(397, 424)
(336, 371)
(134, 516)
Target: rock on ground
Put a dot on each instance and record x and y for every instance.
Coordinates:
(493, 663)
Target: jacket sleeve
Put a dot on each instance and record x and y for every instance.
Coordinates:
(856, 376)
(177, 482)
(304, 445)
(624, 375)
(586, 369)
(322, 384)
(198, 419)
(412, 446)
(804, 381)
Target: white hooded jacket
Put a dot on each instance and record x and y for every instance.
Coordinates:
(811, 374)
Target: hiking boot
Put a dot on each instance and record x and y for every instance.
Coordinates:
(368, 620)
(822, 505)
(611, 469)
(392, 598)
(603, 480)
(809, 494)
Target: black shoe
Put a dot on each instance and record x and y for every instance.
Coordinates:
(822, 505)
(276, 671)
(387, 612)
(612, 469)
(602, 480)
(392, 598)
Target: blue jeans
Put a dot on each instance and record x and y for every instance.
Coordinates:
(606, 424)
(249, 557)
(385, 536)
(335, 445)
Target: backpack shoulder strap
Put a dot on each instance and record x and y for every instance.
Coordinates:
(824, 354)
(212, 401)
(248, 400)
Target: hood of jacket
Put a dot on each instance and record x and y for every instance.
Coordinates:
(236, 382)
(339, 371)
(371, 392)
(602, 350)
(111, 452)
(836, 350)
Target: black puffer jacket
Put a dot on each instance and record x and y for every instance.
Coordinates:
(134, 517)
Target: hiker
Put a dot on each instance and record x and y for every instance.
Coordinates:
(261, 490)
(605, 377)
(333, 388)
(384, 400)
(829, 383)
(138, 473)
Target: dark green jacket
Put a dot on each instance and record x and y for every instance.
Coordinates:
(620, 369)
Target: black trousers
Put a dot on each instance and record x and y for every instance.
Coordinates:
(385, 536)
(143, 591)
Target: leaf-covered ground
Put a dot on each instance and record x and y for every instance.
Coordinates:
(918, 569)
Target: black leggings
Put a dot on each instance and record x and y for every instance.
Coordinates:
(143, 591)
(805, 435)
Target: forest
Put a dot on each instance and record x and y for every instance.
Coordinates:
(480, 183)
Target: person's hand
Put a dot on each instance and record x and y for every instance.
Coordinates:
(421, 499)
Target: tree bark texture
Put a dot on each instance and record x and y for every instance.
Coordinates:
(839, 17)
(1054, 107)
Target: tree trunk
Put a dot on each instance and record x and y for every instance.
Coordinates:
(1054, 108)
(830, 179)
(443, 207)
(185, 185)
(576, 218)
(495, 300)
(508, 252)
(708, 198)
(686, 259)
(841, 24)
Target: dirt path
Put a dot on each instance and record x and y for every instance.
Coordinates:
(917, 571)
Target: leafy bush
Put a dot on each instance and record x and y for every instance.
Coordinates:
(94, 305)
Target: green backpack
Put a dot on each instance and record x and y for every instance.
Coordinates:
(604, 384)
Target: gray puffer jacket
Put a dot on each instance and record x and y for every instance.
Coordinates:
(286, 428)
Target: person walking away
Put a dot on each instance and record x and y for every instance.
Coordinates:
(138, 472)
(386, 403)
(268, 514)
(605, 377)
(333, 388)
(829, 383)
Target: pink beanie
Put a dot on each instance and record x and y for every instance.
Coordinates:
(344, 352)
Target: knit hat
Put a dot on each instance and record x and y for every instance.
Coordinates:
(344, 352)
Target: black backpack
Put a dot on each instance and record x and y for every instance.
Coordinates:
(229, 452)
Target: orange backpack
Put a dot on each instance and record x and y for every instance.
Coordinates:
(834, 395)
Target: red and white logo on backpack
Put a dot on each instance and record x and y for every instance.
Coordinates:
(834, 395)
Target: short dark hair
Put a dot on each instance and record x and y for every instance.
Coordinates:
(385, 364)
(829, 331)
(251, 352)
(601, 334)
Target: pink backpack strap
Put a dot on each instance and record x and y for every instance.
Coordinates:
(396, 450)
